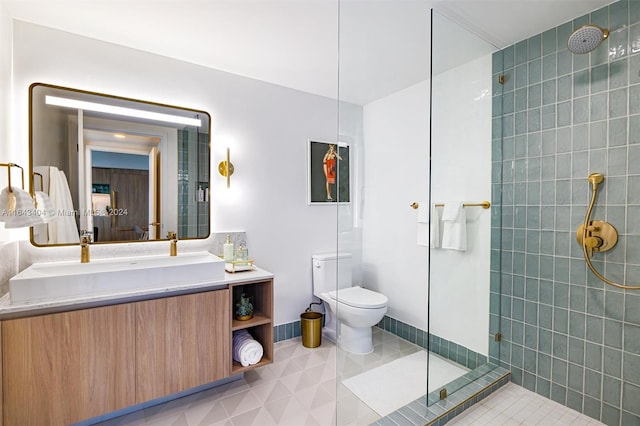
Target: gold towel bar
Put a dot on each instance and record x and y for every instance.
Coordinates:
(41, 181)
(484, 205)
(9, 166)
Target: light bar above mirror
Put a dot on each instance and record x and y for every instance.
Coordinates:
(121, 111)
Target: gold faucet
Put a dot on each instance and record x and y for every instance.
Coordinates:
(84, 249)
(173, 239)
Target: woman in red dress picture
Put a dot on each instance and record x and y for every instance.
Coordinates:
(329, 165)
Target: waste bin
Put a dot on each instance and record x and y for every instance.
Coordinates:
(311, 327)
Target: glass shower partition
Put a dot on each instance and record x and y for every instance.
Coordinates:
(462, 203)
(415, 112)
(384, 118)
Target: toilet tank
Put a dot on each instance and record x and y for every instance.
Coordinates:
(327, 267)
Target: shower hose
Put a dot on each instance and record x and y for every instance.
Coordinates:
(585, 249)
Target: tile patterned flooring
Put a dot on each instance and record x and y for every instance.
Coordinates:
(300, 388)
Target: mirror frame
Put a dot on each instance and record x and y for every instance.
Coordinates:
(31, 183)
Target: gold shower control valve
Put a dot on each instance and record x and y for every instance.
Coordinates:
(592, 243)
(599, 236)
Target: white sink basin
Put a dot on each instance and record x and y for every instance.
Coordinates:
(47, 281)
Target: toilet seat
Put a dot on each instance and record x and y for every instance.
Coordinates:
(359, 297)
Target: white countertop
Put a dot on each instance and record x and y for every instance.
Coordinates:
(22, 309)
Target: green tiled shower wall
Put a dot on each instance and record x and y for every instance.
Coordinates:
(558, 117)
(193, 173)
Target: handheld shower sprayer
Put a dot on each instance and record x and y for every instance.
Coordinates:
(597, 235)
(595, 179)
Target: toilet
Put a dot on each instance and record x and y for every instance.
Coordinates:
(350, 311)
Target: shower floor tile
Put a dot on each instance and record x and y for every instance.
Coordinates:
(515, 405)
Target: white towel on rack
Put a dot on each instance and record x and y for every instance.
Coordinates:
(454, 233)
(246, 350)
(41, 231)
(423, 212)
(435, 227)
(45, 207)
(17, 209)
(44, 172)
(423, 224)
(65, 229)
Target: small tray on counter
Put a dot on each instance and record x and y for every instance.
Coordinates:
(238, 266)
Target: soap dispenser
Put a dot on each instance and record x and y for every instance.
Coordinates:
(227, 250)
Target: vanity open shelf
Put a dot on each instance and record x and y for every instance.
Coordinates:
(259, 318)
(261, 325)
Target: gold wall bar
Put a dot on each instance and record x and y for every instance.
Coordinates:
(9, 166)
(484, 205)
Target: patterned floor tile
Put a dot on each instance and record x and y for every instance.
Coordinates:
(302, 388)
(206, 413)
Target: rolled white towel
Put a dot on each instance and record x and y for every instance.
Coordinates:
(246, 350)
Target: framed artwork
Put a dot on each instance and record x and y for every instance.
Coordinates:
(329, 165)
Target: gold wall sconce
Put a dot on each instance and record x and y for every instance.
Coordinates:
(225, 168)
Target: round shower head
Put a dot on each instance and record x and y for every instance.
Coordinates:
(586, 38)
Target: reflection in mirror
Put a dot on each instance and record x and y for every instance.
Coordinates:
(118, 169)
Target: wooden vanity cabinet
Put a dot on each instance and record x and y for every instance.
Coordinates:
(62, 368)
(181, 343)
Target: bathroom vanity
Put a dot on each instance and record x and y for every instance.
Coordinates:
(73, 359)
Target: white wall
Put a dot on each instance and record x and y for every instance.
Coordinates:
(265, 125)
(396, 140)
(396, 173)
(461, 170)
(5, 82)
(349, 215)
(5, 99)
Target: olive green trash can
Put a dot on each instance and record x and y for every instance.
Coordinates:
(311, 327)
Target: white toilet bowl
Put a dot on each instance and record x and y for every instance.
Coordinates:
(350, 314)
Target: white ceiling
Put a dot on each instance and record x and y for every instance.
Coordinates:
(383, 44)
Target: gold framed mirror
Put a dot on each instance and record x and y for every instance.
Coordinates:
(117, 169)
